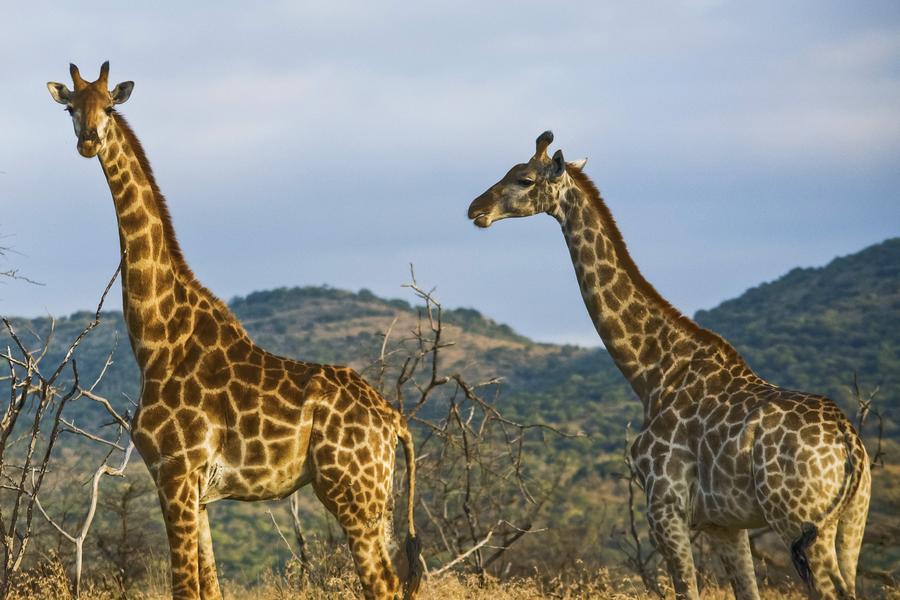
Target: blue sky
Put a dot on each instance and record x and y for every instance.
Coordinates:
(334, 142)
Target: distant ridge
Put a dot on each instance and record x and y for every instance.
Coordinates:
(810, 329)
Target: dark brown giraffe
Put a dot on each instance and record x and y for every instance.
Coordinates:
(220, 417)
(720, 450)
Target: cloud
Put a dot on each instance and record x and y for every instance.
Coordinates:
(343, 139)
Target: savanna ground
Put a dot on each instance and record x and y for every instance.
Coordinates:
(49, 581)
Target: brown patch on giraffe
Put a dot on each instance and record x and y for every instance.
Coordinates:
(206, 330)
(249, 425)
(273, 430)
(213, 371)
(239, 351)
(151, 418)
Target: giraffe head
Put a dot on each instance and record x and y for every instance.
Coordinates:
(527, 188)
(90, 105)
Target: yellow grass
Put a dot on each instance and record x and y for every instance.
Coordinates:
(50, 582)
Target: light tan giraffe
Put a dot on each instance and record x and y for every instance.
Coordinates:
(720, 450)
(219, 417)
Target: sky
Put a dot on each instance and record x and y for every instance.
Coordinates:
(335, 143)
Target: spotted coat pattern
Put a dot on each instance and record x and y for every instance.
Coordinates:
(219, 417)
(720, 449)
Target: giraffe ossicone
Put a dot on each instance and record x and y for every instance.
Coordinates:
(219, 417)
(720, 450)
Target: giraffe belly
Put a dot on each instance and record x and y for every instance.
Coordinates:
(725, 494)
(226, 482)
(261, 457)
(730, 508)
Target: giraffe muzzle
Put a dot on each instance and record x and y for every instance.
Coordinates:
(483, 221)
(89, 143)
(480, 211)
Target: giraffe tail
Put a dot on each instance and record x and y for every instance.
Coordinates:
(413, 546)
(808, 535)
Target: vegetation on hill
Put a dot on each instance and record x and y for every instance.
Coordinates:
(811, 329)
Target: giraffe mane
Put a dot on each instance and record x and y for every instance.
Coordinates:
(640, 282)
(171, 240)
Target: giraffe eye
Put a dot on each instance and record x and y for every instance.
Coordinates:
(526, 182)
(109, 110)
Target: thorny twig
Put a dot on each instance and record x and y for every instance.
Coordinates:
(865, 406)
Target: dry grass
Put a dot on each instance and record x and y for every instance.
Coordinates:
(50, 582)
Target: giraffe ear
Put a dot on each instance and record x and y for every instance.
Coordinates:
(558, 165)
(122, 92)
(578, 164)
(59, 92)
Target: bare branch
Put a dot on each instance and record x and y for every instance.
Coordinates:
(87, 521)
(464, 555)
(281, 535)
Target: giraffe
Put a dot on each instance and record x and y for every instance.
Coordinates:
(221, 418)
(720, 449)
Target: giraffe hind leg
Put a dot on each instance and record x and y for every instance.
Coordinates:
(851, 526)
(827, 582)
(814, 556)
(364, 526)
(354, 483)
(733, 546)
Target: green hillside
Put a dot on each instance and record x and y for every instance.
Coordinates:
(811, 329)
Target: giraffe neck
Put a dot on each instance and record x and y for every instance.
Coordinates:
(159, 291)
(651, 342)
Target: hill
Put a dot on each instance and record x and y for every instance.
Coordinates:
(811, 329)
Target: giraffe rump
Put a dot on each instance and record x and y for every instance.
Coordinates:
(809, 531)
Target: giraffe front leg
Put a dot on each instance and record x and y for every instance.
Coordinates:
(179, 497)
(733, 547)
(209, 581)
(670, 533)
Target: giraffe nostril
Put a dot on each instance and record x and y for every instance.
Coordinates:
(90, 135)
